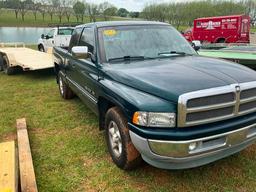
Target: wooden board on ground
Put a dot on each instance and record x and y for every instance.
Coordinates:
(27, 174)
(8, 167)
(28, 59)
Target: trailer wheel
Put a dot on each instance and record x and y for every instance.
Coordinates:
(41, 48)
(119, 143)
(1, 63)
(6, 68)
(64, 89)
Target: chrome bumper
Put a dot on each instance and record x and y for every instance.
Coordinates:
(193, 153)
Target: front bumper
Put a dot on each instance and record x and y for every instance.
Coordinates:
(193, 153)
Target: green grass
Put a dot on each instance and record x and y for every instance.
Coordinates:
(70, 153)
(253, 30)
(8, 19)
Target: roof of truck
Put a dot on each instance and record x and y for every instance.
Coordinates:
(118, 23)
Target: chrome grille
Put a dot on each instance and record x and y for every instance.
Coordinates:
(216, 104)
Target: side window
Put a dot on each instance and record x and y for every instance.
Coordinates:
(65, 31)
(75, 38)
(87, 39)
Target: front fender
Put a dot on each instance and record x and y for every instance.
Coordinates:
(132, 100)
(40, 42)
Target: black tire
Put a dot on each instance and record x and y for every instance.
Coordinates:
(64, 89)
(6, 68)
(128, 157)
(1, 63)
(41, 48)
(221, 41)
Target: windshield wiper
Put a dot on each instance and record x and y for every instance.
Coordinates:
(173, 53)
(129, 58)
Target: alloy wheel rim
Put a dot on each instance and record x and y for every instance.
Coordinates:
(115, 139)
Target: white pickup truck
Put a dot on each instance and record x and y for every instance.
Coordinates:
(58, 36)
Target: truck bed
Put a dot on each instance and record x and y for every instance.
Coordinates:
(27, 59)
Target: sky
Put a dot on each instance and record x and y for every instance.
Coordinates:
(132, 5)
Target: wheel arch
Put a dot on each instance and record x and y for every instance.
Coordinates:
(220, 40)
(39, 45)
(104, 104)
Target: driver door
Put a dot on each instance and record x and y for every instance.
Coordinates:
(49, 41)
(85, 71)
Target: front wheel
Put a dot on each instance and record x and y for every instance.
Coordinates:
(41, 48)
(119, 143)
(64, 89)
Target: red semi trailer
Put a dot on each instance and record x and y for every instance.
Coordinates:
(223, 29)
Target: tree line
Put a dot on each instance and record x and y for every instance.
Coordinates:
(65, 8)
(184, 13)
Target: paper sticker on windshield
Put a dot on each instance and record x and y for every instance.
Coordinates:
(110, 32)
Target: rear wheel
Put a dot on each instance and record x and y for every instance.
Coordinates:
(64, 89)
(6, 68)
(221, 40)
(119, 143)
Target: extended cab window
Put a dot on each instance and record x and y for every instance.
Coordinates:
(87, 39)
(65, 31)
(75, 38)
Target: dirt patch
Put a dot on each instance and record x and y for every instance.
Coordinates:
(9, 137)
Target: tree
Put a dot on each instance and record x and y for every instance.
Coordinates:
(250, 6)
(43, 9)
(79, 10)
(50, 9)
(68, 12)
(106, 9)
(134, 14)
(67, 6)
(92, 11)
(122, 12)
(111, 11)
(184, 13)
(13, 4)
(1, 5)
(23, 8)
(59, 8)
(35, 7)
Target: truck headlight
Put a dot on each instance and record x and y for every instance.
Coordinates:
(150, 119)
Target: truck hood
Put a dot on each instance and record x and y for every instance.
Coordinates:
(168, 78)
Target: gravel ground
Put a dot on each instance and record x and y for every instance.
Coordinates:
(253, 38)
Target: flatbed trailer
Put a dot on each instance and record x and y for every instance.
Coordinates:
(245, 55)
(24, 58)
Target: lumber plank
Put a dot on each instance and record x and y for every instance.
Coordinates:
(8, 167)
(27, 174)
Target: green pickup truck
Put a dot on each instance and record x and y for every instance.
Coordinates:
(155, 97)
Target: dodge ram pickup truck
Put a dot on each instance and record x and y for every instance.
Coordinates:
(155, 97)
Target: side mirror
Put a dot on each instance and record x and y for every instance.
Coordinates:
(196, 45)
(42, 36)
(80, 52)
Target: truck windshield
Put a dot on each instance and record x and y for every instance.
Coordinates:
(148, 41)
